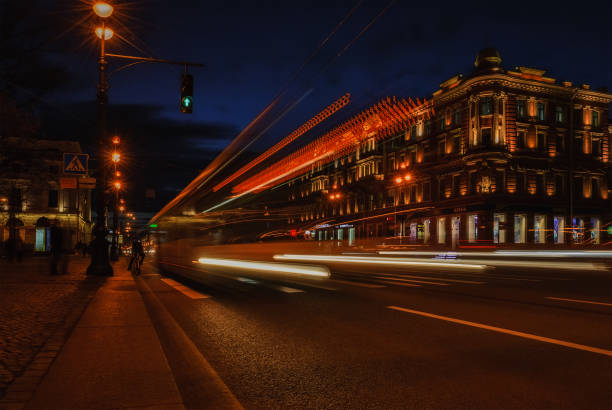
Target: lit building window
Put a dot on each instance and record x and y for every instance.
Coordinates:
(519, 228)
(559, 114)
(426, 230)
(595, 230)
(539, 229)
(499, 235)
(541, 111)
(456, 117)
(520, 109)
(559, 229)
(578, 230)
(486, 106)
(472, 228)
(441, 230)
(595, 118)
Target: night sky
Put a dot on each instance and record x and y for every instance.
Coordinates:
(252, 49)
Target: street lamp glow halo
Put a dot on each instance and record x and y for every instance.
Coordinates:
(102, 9)
(108, 33)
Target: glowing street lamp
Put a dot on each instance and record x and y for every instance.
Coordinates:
(117, 185)
(398, 180)
(107, 32)
(116, 140)
(407, 177)
(122, 208)
(117, 173)
(103, 9)
(116, 157)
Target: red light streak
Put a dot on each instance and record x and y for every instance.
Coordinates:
(384, 118)
(304, 128)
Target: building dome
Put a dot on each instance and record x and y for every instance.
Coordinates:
(488, 59)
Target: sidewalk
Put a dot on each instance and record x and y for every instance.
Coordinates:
(112, 359)
(37, 311)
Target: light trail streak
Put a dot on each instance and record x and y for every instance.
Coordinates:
(314, 121)
(384, 118)
(319, 271)
(227, 201)
(505, 254)
(379, 261)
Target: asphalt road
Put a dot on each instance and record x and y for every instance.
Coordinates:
(397, 337)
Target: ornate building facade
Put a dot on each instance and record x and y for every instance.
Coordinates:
(504, 158)
(34, 193)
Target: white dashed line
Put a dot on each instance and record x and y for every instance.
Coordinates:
(508, 331)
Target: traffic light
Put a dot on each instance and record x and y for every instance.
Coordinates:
(186, 93)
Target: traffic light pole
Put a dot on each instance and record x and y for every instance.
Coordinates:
(100, 265)
(154, 60)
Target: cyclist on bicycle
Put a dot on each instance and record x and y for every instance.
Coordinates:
(137, 252)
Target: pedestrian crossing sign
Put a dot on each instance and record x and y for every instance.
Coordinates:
(75, 164)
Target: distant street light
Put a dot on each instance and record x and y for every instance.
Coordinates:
(117, 185)
(116, 140)
(116, 157)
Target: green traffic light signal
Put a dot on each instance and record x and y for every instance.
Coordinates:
(186, 93)
(186, 102)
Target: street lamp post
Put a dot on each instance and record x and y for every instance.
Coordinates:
(100, 265)
(115, 238)
(399, 181)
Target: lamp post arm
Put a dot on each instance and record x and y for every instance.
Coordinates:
(154, 60)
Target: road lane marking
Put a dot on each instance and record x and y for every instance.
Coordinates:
(412, 285)
(392, 279)
(580, 301)
(360, 284)
(473, 282)
(507, 331)
(190, 293)
(288, 290)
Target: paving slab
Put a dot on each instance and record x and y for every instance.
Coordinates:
(113, 358)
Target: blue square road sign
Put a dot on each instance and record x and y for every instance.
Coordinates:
(76, 164)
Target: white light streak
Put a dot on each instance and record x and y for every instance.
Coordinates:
(380, 261)
(505, 254)
(320, 271)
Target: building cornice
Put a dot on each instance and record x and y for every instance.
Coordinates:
(529, 86)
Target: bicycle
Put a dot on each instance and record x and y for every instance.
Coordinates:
(136, 264)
